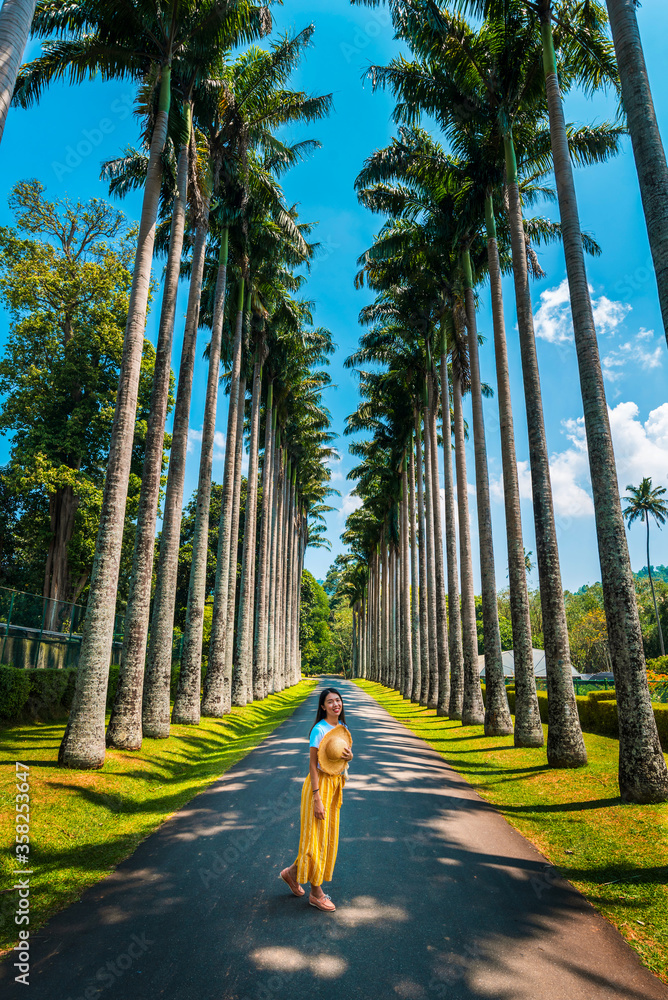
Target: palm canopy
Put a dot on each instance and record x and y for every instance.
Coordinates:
(645, 501)
(135, 41)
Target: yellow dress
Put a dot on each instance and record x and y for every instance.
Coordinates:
(319, 838)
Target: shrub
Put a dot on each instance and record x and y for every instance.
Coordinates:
(47, 690)
(661, 716)
(14, 691)
(659, 665)
(605, 695)
(598, 713)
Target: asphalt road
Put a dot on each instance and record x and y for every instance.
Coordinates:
(438, 898)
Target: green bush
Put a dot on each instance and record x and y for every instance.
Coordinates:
(661, 716)
(47, 691)
(14, 691)
(598, 713)
(608, 694)
(659, 665)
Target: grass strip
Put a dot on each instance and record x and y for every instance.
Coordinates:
(84, 823)
(614, 852)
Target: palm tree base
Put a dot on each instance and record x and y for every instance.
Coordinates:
(498, 729)
(212, 711)
(123, 739)
(80, 761)
(156, 731)
(186, 719)
(472, 719)
(527, 740)
(443, 712)
(563, 762)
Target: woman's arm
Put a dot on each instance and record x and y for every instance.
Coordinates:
(318, 807)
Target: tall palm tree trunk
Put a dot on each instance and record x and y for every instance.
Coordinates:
(260, 687)
(125, 724)
(233, 565)
(443, 701)
(565, 746)
(373, 626)
(385, 596)
(292, 572)
(643, 774)
(283, 566)
(425, 640)
(432, 697)
(287, 582)
(15, 21)
(271, 619)
(155, 702)
(473, 710)
(414, 693)
(245, 626)
(186, 710)
(83, 743)
(454, 612)
(528, 728)
(648, 148)
(216, 700)
(278, 581)
(498, 721)
(406, 609)
(392, 680)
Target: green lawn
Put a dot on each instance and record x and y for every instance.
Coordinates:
(615, 853)
(83, 823)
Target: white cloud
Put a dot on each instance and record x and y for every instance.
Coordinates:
(616, 363)
(641, 449)
(195, 438)
(552, 320)
(349, 503)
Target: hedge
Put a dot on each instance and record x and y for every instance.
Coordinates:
(598, 713)
(46, 694)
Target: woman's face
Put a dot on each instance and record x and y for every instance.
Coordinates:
(333, 704)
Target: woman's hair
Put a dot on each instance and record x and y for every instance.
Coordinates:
(322, 713)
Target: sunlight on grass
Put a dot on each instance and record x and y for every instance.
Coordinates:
(83, 823)
(616, 854)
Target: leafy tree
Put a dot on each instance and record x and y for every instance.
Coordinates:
(314, 633)
(65, 276)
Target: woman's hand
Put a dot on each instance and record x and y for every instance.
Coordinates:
(318, 808)
(347, 753)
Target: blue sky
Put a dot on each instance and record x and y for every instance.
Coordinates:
(63, 141)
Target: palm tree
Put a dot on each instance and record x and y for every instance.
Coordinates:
(643, 773)
(454, 616)
(648, 148)
(15, 20)
(256, 103)
(125, 725)
(119, 41)
(643, 503)
(156, 695)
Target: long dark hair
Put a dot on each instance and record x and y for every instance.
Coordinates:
(322, 712)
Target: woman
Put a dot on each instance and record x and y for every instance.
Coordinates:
(321, 802)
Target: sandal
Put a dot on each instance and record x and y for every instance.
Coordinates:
(297, 889)
(323, 902)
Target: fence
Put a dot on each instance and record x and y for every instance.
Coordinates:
(42, 632)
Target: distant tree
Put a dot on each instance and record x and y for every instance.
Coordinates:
(315, 638)
(642, 503)
(65, 276)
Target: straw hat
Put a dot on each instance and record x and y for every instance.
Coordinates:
(331, 748)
